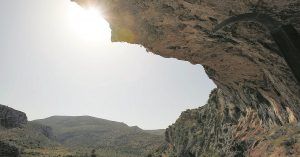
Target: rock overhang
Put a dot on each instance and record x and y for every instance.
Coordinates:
(240, 59)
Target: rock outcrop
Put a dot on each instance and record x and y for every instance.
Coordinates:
(256, 94)
(220, 128)
(7, 150)
(11, 118)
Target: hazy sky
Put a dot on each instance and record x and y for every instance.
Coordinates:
(56, 59)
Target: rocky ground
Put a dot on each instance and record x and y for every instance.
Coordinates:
(8, 150)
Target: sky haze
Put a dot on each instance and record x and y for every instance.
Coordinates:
(52, 62)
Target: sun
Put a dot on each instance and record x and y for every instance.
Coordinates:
(88, 23)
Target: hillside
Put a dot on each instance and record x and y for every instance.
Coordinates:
(72, 136)
(18, 137)
(156, 132)
(33, 139)
(85, 133)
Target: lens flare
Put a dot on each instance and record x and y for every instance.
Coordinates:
(89, 24)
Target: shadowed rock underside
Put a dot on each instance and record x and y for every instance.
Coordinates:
(256, 106)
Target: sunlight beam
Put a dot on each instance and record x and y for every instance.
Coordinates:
(88, 24)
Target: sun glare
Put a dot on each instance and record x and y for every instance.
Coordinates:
(89, 24)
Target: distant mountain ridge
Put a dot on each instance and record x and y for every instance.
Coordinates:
(74, 136)
(156, 132)
(86, 132)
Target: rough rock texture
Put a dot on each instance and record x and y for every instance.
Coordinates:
(11, 118)
(222, 129)
(257, 92)
(7, 150)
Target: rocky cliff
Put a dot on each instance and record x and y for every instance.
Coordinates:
(257, 95)
(221, 128)
(11, 118)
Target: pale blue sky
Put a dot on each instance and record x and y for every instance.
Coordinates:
(49, 68)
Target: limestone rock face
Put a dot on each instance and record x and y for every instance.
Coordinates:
(256, 93)
(220, 128)
(11, 118)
